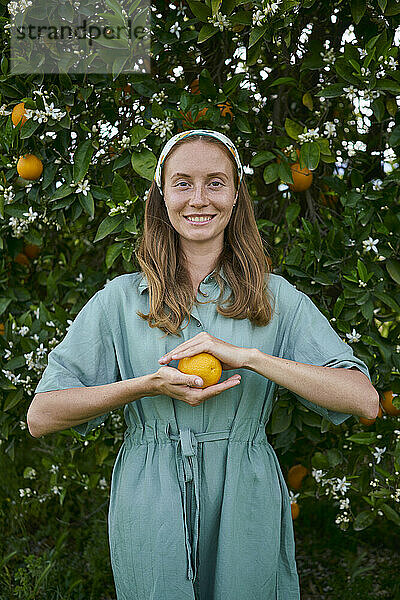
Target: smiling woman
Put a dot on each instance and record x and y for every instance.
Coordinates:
(199, 508)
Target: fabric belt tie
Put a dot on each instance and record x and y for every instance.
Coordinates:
(188, 470)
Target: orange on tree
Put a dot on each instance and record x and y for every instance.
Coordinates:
(18, 114)
(295, 508)
(387, 405)
(225, 109)
(21, 258)
(2, 330)
(296, 475)
(203, 365)
(194, 86)
(302, 178)
(31, 250)
(29, 167)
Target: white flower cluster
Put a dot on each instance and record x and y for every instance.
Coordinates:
(329, 129)
(388, 62)
(328, 56)
(396, 495)
(311, 134)
(378, 454)
(81, 186)
(352, 147)
(261, 15)
(103, 484)
(54, 468)
(26, 492)
(353, 336)
(219, 20)
(162, 127)
(30, 473)
(370, 244)
(15, 8)
(159, 96)
(338, 485)
(20, 226)
(121, 208)
(7, 193)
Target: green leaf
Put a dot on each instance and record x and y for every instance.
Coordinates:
(362, 270)
(338, 307)
(107, 226)
(144, 163)
(231, 84)
(387, 299)
(331, 91)
(388, 85)
(206, 84)
(292, 212)
(319, 461)
(280, 420)
(308, 101)
(309, 155)
(256, 34)
(200, 10)
(87, 203)
(364, 519)
(394, 138)
(61, 192)
(391, 514)
(358, 8)
(82, 157)
(284, 80)
(138, 134)
(243, 124)
(206, 32)
(261, 158)
(113, 252)
(4, 302)
(13, 398)
(270, 173)
(334, 457)
(284, 172)
(292, 128)
(364, 438)
(28, 128)
(215, 4)
(119, 191)
(379, 109)
(382, 4)
(393, 268)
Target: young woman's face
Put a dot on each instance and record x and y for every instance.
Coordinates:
(199, 182)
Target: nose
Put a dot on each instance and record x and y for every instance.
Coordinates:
(198, 196)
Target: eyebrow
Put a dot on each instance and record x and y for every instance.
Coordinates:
(208, 174)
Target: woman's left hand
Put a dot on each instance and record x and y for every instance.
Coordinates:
(230, 356)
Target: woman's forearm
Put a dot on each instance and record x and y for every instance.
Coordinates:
(62, 409)
(343, 390)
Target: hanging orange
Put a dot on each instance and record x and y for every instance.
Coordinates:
(32, 250)
(29, 167)
(21, 258)
(18, 114)
(295, 508)
(387, 405)
(194, 86)
(296, 475)
(302, 178)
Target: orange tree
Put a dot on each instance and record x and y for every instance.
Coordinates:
(314, 84)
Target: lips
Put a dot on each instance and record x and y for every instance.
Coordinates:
(209, 217)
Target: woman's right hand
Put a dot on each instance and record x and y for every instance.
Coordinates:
(172, 382)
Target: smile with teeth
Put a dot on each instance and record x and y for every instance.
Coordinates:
(204, 219)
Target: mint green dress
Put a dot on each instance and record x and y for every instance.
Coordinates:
(199, 508)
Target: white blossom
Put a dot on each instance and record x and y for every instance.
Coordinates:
(353, 336)
(370, 244)
(378, 453)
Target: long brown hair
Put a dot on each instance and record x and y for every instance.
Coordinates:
(243, 259)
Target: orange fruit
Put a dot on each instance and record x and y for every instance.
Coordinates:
(302, 178)
(386, 401)
(21, 258)
(2, 329)
(296, 475)
(226, 109)
(29, 167)
(18, 114)
(295, 508)
(32, 250)
(203, 365)
(194, 86)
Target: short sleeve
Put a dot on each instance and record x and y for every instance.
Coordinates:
(312, 340)
(85, 357)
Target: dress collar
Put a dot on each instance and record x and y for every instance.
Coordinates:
(143, 284)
